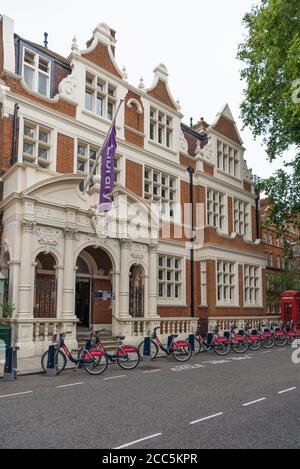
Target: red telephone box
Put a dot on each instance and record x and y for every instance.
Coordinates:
(290, 306)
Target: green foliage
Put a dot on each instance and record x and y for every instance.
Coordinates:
(271, 106)
(279, 283)
(7, 309)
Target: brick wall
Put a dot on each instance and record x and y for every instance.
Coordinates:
(6, 143)
(65, 154)
(211, 237)
(60, 73)
(60, 106)
(227, 128)
(161, 93)
(1, 47)
(134, 177)
(100, 57)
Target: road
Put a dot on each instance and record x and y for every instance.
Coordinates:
(252, 401)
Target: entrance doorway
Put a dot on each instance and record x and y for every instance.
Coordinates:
(83, 296)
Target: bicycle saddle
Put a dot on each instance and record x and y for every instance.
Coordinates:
(121, 337)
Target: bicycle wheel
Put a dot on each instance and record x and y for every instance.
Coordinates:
(281, 341)
(153, 350)
(60, 361)
(129, 360)
(255, 345)
(199, 346)
(268, 342)
(240, 346)
(182, 354)
(94, 365)
(223, 348)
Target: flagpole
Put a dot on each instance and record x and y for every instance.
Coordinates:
(86, 184)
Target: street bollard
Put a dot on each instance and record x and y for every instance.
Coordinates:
(191, 341)
(11, 360)
(170, 341)
(147, 350)
(51, 369)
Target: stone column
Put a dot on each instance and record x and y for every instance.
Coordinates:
(59, 289)
(124, 279)
(23, 333)
(69, 275)
(25, 287)
(153, 281)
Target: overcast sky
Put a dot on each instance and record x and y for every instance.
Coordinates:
(196, 39)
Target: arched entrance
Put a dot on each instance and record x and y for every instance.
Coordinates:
(45, 296)
(94, 275)
(137, 292)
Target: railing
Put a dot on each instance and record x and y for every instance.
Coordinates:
(225, 323)
(142, 327)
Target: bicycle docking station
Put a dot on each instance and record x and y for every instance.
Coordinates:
(51, 370)
(191, 341)
(147, 351)
(11, 360)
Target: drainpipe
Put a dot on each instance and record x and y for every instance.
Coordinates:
(257, 200)
(14, 158)
(190, 170)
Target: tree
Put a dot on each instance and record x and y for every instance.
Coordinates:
(280, 282)
(271, 106)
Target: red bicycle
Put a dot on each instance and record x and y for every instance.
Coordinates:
(220, 345)
(88, 357)
(180, 350)
(126, 356)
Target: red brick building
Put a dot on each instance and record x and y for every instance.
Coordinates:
(58, 253)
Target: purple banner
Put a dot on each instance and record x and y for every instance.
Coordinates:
(107, 172)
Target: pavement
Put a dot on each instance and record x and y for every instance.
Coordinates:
(248, 401)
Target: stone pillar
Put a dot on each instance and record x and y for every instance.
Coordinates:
(25, 288)
(59, 290)
(69, 275)
(152, 313)
(124, 279)
(23, 334)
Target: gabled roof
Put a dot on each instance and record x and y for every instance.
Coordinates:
(160, 89)
(225, 125)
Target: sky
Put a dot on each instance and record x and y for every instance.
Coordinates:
(196, 39)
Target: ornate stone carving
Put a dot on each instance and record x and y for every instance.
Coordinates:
(183, 145)
(27, 226)
(70, 233)
(48, 236)
(206, 152)
(153, 248)
(138, 251)
(125, 244)
(247, 173)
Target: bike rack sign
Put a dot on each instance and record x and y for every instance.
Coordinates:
(103, 295)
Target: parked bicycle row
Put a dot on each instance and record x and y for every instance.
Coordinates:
(94, 358)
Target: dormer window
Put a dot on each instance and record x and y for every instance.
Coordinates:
(100, 96)
(161, 128)
(228, 159)
(36, 72)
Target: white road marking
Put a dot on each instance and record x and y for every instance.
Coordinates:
(207, 418)
(139, 441)
(114, 377)
(268, 351)
(152, 371)
(255, 402)
(287, 390)
(281, 350)
(69, 385)
(16, 394)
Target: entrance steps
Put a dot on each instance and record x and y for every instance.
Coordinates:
(109, 342)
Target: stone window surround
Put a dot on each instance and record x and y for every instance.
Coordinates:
(37, 71)
(44, 164)
(107, 98)
(165, 301)
(256, 276)
(246, 213)
(227, 285)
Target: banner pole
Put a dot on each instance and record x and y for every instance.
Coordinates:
(86, 184)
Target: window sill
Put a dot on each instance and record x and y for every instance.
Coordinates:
(98, 118)
(162, 147)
